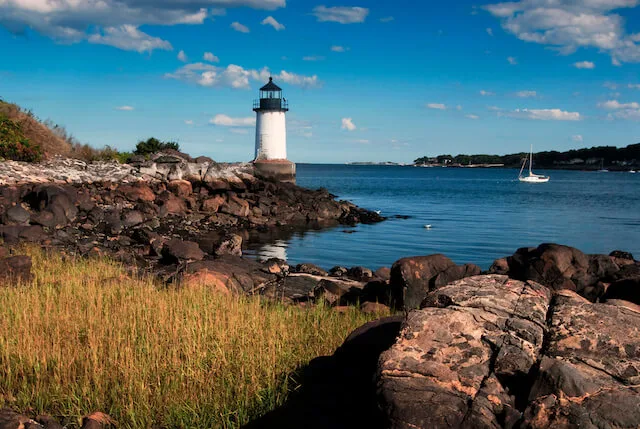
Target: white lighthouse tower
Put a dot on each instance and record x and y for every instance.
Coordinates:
(271, 134)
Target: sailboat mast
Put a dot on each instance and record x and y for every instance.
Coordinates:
(530, 159)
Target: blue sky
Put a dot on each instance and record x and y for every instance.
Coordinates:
(366, 81)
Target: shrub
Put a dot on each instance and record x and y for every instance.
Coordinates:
(14, 145)
(153, 145)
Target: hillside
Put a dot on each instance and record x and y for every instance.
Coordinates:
(21, 133)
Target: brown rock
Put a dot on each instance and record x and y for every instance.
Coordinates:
(178, 250)
(137, 192)
(338, 292)
(383, 273)
(235, 206)
(97, 420)
(182, 188)
(17, 215)
(310, 269)
(12, 420)
(458, 361)
(412, 278)
(213, 204)
(173, 205)
(374, 308)
(231, 244)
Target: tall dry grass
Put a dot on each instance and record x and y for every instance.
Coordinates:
(85, 336)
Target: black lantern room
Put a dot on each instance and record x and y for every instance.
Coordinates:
(270, 98)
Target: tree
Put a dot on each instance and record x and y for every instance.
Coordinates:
(153, 145)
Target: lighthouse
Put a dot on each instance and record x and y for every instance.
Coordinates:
(271, 135)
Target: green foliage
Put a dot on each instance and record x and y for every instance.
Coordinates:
(14, 145)
(153, 145)
(609, 155)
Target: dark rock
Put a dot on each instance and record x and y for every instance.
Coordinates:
(177, 250)
(12, 420)
(48, 219)
(619, 254)
(17, 215)
(556, 266)
(383, 273)
(499, 266)
(338, 292)
(16, 268)
(338, 271)
(132, 218)
(49, 422)
(377, 291)
(97, 420)
(310, 269)
(62, 205)
(602, 267)
(360, 274)
(231, 244)
(628, 290)
(454, 273)
(33, 234)
(412, 278)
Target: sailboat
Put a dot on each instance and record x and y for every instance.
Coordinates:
(602, 169)
(531, 178)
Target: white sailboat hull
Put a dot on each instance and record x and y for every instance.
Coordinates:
(533, 179)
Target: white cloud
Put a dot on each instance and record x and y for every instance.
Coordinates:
(362, 141)
(512, 60)
(437, 106)
(486, 93)
(239, 27)
(129, 38)
(634, 86)
(472, 116)
(113, 22)
(125, 108)
(616, 105)
(237, 77)
(611, 85)
(228, 121)
(577, 138)
(494, 108)
(347, 124)
(208, 56)
(313, 58)
(188, 122)
(387, 19)
(270, 20)
(336, 48)
(459, 107)
(341, 14)
(567, 25)
(182, 57)
(542, 114)
(584, 65)
(490, 31)
(526, 94)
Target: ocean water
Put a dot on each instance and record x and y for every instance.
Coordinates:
(476, 215)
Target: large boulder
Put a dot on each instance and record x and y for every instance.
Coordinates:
(235, 206)
(590, 373)
(627, 289)
(308, 268)
(138, 192)
(412, 278)
(493, 352)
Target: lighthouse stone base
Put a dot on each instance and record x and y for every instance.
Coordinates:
(280, 170)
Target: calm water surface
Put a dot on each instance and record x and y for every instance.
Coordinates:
(476, 215)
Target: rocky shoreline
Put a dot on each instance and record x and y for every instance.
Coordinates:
(548, 337)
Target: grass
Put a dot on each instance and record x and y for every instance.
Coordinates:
(86, 336)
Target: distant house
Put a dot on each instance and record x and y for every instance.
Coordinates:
(591, 161)
(575, 161)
